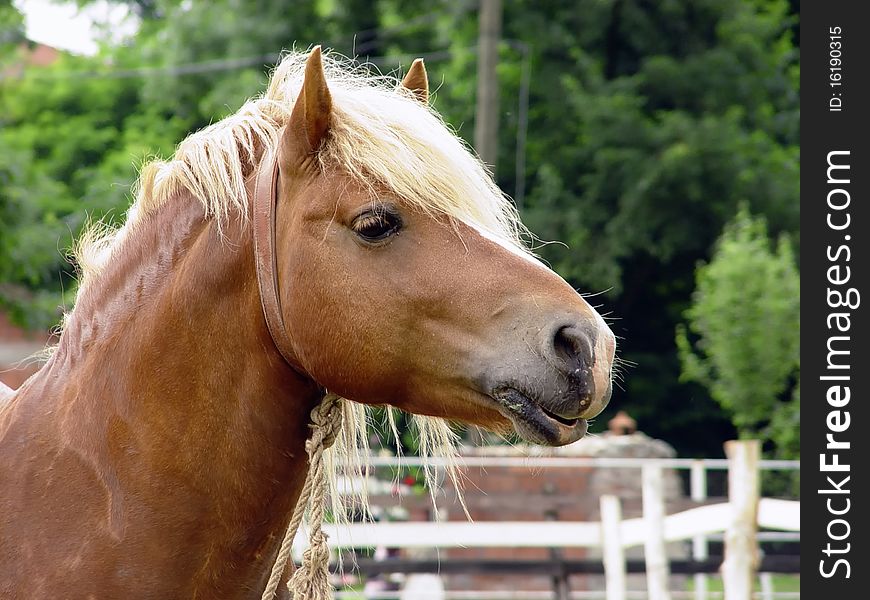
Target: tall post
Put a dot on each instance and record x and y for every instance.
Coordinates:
(522, 126)
(698, 489)
(741, 541)
(614, 553)
(655, 551)
(486, 115)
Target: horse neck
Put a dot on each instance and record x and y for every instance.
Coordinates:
(167, 358)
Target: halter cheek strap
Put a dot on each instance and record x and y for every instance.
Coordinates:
(266, 257)
(311, 580)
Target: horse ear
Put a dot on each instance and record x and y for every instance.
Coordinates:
(311, 114)
(417, 81)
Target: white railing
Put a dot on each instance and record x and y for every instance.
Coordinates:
(705, 520)
(737, 520)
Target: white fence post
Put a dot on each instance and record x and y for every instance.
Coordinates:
(741, 546)
(698, 491)
(420, 586)
(614, 554)
(655, 552)
(766, 586)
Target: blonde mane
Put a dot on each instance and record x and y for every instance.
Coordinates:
(381, 135)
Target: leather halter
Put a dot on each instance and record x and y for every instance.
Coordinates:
(266, 257)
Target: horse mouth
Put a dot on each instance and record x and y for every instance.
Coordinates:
(536, 424)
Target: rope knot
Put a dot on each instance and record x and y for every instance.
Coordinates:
(325, 423)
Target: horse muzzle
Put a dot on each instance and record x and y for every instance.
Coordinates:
(549, 395)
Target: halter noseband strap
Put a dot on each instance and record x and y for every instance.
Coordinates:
(265, 254)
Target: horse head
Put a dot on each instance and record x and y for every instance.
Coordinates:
(403, 280)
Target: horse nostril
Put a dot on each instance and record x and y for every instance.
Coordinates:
(564, 345)
(573, 348)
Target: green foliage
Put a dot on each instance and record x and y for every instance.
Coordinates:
(11, 32)
(746, 317)
(664, 142)
(63, 152)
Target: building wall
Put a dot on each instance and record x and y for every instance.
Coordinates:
(520, 493)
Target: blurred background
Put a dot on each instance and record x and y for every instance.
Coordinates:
(656, 141)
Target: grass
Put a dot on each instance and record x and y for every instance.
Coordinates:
(781, 583)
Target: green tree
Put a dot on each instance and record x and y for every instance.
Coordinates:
(67, 154)
(744, 325)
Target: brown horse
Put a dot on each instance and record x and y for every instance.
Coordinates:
(159, 451)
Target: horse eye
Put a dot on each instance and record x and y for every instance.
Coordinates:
(376, 227)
